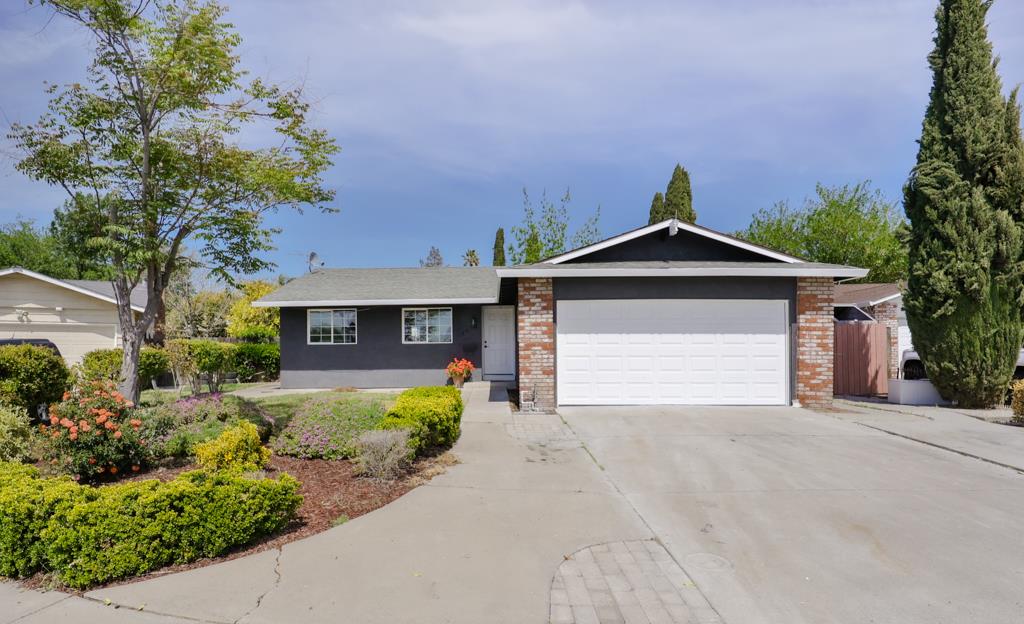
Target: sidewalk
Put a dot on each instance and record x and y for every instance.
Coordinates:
(943, 427)
(480, 543)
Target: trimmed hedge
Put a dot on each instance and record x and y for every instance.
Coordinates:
(94, 535)
(106, 364)
(432, 414)
(257, 361)
(31, 376)
(237, 448)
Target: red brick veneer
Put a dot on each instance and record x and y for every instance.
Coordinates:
(535, 320)
(815, 341)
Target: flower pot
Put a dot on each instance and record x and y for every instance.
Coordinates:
(459, 381)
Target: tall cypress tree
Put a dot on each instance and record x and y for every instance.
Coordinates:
(965, 202)
(677, 201)
(499, 248)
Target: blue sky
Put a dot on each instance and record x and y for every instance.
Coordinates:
(445, 110)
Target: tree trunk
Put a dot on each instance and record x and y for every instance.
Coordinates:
(131, 342)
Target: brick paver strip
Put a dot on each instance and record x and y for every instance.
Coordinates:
(635, 582)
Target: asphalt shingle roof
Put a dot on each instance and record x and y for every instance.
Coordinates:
(106, 289)
(382, 285)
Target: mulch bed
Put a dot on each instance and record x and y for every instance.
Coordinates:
(330, 490)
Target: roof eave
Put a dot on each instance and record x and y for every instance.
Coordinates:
(784, 270)
(327, 303)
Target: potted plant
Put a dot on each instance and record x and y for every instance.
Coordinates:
(459, 370)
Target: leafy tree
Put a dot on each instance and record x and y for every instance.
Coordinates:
(965, 202)
(151, 135)
(470, 258)
(433, 259)
(23, 244)
(196, 306)
(77, 231)
(248, 322)
(545, 236)
(677, 201)
(498, 259)
(852, 225)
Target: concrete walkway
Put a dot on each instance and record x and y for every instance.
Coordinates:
(480, 543)
(943, 427)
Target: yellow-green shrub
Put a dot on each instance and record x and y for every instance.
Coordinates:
(238, 448)
(89, 535)
(1017, 404)
(432, 414)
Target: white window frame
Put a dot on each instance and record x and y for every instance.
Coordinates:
(309, 342)
(427, 309)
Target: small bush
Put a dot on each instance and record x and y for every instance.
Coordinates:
(238, 448)
(31, 376)
(106, 364)
(256, 333)
(257, 361)
(193, 360)
(173, 429)
(95, 535)
(328, 428)
(92, 433)
(432, 414)
(1017, 403)
(15, 434)
(384, 455)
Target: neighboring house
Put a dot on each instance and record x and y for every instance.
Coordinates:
(671, 313)
(76, 315)
(877, 302)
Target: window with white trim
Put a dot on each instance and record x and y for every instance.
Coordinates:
(426, 325)
(332, 326)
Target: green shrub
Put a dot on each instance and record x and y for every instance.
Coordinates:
(173, 429)
(256, 333)
(384, 455)
(106, 364)
(92, 433)
(194, 359)
(31, 376)
(329, 428)
(257, 361)
(95, 535)
(237, 448)
(15, 433)
(432, 414)
(26, 505)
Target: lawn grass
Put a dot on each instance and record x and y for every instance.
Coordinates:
(283, 407)
(153, 397)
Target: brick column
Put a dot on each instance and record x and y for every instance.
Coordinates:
(815, 341)
(535, 320)
(887, 314)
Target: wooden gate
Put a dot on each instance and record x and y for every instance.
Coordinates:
(861, 359)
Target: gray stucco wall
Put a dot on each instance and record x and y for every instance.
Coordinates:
(379, 359)
(576, 288)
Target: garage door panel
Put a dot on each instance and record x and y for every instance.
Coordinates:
(672, 352)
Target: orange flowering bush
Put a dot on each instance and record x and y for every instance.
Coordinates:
(92, 433)
(460, 368)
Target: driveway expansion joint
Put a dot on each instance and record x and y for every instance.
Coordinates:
(950, 449)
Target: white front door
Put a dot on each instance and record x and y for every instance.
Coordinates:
(672, 351)
(499, 342)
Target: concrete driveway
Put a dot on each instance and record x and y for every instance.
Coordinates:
(786, 515)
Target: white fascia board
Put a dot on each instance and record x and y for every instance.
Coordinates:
(63, 284)
(682, 225)
(328, 303)
(781, 271)
(884, 299)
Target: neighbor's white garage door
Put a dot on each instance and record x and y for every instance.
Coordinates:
(72, 339)
(672, 351)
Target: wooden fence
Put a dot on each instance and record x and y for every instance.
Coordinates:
(861, 359)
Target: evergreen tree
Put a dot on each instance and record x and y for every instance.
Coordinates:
(965, 202)
(657, 209)
(499, 248)
(470, 258)
(677, 201)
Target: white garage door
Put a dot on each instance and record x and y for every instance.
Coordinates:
(672, 351)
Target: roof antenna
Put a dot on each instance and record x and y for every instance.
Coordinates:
(314, 262)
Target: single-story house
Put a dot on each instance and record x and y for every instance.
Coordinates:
(877, 302)
(670, 313)
(77, 316)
